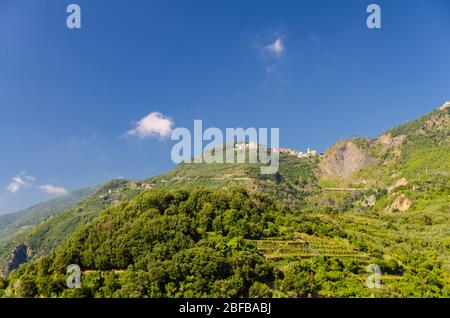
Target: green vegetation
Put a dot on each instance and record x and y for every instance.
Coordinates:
(45, 236)
(163, 243)
(14, 222)
(294, 180)
(229, 243)
(225, 230)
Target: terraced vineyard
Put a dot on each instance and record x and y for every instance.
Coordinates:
(305, 246)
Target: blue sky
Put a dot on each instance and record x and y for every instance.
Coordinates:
(69, 97)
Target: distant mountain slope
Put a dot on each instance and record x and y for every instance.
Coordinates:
(404, 169)
(418, 149)
(14, 222)
(294, 181)
(43, 237)
(300, 182)
(385, 198)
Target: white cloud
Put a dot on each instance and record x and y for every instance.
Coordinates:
(153, 125)
(50, 189)
(20, 181)
(277, 48)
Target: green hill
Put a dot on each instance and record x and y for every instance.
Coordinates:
(294, 180)
(19, 221)
(226, 230)
(42, 236)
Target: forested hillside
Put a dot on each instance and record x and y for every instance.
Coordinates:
(21, 220)
(42, 237)
(310, 230)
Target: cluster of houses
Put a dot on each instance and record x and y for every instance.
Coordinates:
(146, 186)
(246, 146)
(113, 195)
(289, 151)
(299, 154)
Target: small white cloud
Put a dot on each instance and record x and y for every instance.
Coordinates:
(153, 125)
(20, 181)
(50, 189)
(277, 48)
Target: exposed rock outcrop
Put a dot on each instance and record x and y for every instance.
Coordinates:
(21, 254)
(387, 141)
(344, 159)
(401, 204)
(400, 182)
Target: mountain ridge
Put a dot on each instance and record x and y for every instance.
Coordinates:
(13, 222)
(401, 192)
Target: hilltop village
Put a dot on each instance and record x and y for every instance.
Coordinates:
(288, 151)
(115, 196)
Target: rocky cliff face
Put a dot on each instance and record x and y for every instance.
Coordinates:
(18, 256)
(344, 159)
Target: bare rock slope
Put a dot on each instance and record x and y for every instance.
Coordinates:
(344, 159)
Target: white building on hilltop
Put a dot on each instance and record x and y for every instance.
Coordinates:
(299, 154)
